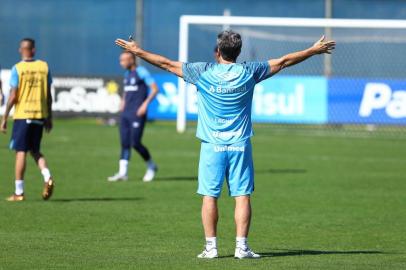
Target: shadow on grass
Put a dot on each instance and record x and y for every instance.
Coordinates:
(281, 171)
(176, 178)
(289, 252)
(101, 199)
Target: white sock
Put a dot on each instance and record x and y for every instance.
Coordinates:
(46, 174)
(19, 187)
(151, 164)
(241, 242)
(211, 242)
(123, 167)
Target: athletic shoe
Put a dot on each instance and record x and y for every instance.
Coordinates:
(150, 174)
(208, 254)
(48, 189)
(117, 177)
(15, 198)
(246, 253)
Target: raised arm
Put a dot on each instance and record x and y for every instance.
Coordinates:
(162, 62)
(320, 47)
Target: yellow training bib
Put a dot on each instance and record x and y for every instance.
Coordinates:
(32, 93)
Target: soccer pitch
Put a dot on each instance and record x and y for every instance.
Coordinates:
(323, 200)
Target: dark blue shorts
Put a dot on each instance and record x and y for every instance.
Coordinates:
(131, 130)
(27, 135)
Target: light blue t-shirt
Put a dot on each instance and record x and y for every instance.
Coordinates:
(225, 93)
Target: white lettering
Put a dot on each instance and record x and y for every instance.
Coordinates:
(397, 107)
(380, 96)
(226, 134)
(78, 99)
(228, 148)
(376, 96)
(227, 90)
(279, 103)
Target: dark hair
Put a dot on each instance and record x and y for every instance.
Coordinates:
(30, 40)
(229, 44)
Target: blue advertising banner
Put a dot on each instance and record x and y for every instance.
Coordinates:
(281, 99)
(165, 105)
(288, 99)
(367, 101)
(291, 99)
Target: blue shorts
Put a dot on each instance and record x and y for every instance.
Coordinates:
(231, 162)
(131, 130)
(27, 135)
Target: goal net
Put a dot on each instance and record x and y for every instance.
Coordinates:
(362, 83)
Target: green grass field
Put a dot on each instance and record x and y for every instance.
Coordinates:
(324, 200)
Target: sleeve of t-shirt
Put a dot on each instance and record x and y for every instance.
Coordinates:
(260, 70)
(145, 75)
(14, 78)
(192, 71)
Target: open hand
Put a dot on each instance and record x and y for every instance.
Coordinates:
(131, 45)
(322, 46)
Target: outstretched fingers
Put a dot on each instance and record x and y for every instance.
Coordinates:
(121, 43)
(331, 43)
(329, 46)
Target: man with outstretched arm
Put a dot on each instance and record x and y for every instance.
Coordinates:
(225, 92)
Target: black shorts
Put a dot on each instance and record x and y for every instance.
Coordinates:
(27, 135)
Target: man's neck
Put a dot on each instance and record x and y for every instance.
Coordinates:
(27, 58)
(132, 68)
(222, 61)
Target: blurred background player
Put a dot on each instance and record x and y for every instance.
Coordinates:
(30, 93)
(135, 101)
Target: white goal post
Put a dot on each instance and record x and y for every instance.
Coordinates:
(187, 20)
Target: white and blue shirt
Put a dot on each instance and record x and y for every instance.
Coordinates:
(225, 93)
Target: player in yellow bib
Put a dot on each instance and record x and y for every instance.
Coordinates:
(30, 94)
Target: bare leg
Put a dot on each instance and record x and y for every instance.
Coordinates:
(209, 216)
(209, 220)
(20, 162)
(42, 165)
(20, 165)
(242, 215)
(242, 223)
(40, 160)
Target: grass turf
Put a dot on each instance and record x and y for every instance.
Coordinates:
(323, 200)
